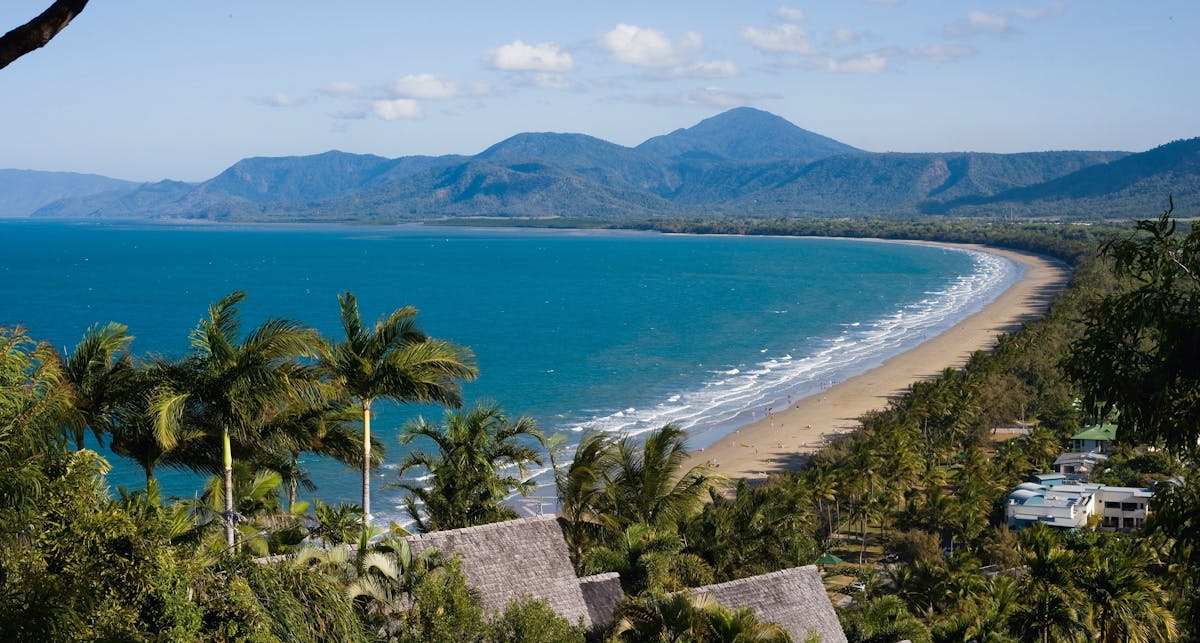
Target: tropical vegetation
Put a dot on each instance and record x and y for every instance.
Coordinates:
(913, 500)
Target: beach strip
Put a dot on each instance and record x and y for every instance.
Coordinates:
(780, 441)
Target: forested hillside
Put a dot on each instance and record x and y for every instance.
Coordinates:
(744, 162)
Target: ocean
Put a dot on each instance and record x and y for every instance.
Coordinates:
(610, 331)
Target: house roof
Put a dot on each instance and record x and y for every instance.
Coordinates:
(1106, 432)
(602, 593)
(1075, 457)
(507, 561)
(794, 598)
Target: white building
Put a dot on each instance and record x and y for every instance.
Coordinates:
(1054, 501)
(1078, 466)
(1123, 508)
(1067, 506)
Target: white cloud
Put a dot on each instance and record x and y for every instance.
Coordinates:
(981, 22)
(870, 63)
(644, 47)
(939, 53)
(705, 69)
(341, 88)
(844, 36)
(280, 99)
(518, 56)
(397, 109)
(784, 38)
(552, 81)
(1054, 10)
(708, 97)
(789, 14)
(423, 86)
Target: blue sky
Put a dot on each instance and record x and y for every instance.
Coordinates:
(145, 90)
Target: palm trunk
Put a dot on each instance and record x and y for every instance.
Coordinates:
(228, 453)
(366, 485)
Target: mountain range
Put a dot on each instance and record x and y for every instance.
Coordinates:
(741, 162)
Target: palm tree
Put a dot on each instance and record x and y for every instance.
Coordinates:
(468, 482)
(379, 576)
(669, 617)
(882, 620)
(1126, 604)
(1048, 613)
(95, 370)
(684, 617)
(648, 560)
(133, 424)
(324, 429)
(236, 388)
(34, 399)
(742, 625)
(581, 492)
(1051, 608)
(647, 484)
(393, 360)
(758, 530)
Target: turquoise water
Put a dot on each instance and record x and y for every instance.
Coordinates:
(609, 331)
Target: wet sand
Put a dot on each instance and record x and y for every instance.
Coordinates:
(782, 440)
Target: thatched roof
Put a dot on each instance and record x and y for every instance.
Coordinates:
(794, 598)
(602, 593)
(506, 561)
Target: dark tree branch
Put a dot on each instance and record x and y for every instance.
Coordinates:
(37, 32)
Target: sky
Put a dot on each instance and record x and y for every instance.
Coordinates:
(148, 90)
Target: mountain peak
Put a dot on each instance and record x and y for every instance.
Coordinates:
(745, 134)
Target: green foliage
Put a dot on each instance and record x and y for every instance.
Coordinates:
(1129, 468)
(96, 370)
(467, 484)
(532, 621)
(648, 560)
(883, 620)
(337, 524)
(683, 617)
(392, 360)
(88, 569)
(611, 486)
(1140, 349)
(33, 401)
(444, 610)
(758, 530)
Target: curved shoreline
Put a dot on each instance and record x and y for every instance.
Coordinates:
(782, 440)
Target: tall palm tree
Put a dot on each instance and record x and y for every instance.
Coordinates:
(34, 398)
(236, 386)
(581, 492)
(1126, 604)
(95, 370)
(684, 617)
(1049, 613)
(393, 360)
(132, 427)
(646, 482)
(470, 473)
(648, 560)
(882, 620)
(326, 430)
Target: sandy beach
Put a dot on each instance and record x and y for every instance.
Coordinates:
(780, 441)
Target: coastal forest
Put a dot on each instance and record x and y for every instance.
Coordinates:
(904, 515)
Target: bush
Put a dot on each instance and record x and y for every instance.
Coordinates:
(532, 621)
